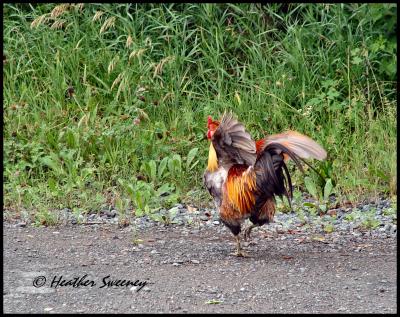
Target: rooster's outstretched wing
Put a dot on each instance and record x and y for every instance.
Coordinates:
(233, 143)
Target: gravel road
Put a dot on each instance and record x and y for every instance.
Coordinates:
(189, 269)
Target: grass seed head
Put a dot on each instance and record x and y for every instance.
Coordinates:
(59, 10)
(159, 67)
(97, 15)
(39, 20)
(109, 23)
(58, 24)
(129, 41)
(112, 64)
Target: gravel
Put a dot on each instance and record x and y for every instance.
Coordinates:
(201, 241)
(378, 218)
(288, 272)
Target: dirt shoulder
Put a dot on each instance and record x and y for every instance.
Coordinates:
(192, 271)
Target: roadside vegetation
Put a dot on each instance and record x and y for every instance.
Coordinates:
(106, 104)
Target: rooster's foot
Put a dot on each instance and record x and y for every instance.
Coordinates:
(247, 232)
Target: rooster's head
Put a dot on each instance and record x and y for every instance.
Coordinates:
(211, 126)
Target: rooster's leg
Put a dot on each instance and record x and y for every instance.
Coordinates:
(247, 232)
(239, 251)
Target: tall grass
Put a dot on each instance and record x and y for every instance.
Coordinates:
(145, 76)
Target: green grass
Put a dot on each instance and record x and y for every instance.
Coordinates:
(146, 76)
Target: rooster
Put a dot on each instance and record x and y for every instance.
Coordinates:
(244, 176)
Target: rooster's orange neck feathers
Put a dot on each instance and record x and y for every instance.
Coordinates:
(240, 187)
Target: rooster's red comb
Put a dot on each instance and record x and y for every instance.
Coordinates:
(209, 120)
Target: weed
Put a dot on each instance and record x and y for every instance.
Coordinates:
(142, 78)
(44, 217)
(329, 228)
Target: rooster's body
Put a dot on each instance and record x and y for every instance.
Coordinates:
(244, 176)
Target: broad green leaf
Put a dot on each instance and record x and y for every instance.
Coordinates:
(139, 199)
(333, 93)
(161, 167)
(130, 189)
(52, 184)
(145, 168)
(138, 212)
(177, 162)
(153, 170)
(311, 205)
(165, 188)
(356, 60)
(310, 185)
(171, 166)
(191, 155)
(327, 189)
(53, 163)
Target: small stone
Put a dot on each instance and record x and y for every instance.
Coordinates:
(175, 264)
(195, 261)
(153, 252)
(332, 212)
(388, 228)
(111, 214)
(365, 208)
(216, 222)
(48, 309)
(21, 225)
